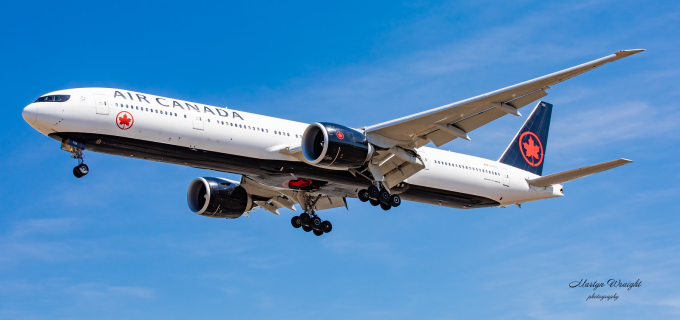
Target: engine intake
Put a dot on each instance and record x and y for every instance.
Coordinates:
(335, 146)
(218, 198)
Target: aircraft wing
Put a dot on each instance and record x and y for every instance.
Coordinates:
(455, 120)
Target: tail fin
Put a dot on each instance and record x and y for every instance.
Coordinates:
(527, 149)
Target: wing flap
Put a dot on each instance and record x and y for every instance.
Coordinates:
(578, 173)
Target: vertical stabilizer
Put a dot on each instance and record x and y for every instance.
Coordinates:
(527, 149)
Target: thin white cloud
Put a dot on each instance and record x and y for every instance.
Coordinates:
(600, 125)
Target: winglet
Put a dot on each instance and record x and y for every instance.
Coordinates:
(629, 52)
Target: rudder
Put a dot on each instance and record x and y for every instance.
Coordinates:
(527, 149)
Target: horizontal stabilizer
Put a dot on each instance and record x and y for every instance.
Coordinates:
(574, 174)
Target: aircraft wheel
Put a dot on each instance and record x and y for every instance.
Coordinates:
(374, 203)
(384, 197)
(295, 222)
(316, 223)
(318, 232)
(306, 228)
(82, 169)
(385, 206)
(395, 200)
(363, 195)
(76, 173)
(373, 192)
(305, 219)
(326, 226)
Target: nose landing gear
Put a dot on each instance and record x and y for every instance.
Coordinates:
(76, 148)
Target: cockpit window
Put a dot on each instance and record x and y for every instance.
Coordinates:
(54, 98)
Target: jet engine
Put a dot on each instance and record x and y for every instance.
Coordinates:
(335, 146)
(218, 198)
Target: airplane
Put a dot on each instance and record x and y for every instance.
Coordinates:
(318, 166)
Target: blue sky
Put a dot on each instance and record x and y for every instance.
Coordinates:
(121, 242)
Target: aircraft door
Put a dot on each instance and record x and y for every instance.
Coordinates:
(101, 103)
(198, 121)
(506, 177)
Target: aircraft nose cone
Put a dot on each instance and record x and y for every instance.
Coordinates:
(30, 113)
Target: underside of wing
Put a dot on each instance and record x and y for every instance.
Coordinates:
(443, 124)
(273, 198)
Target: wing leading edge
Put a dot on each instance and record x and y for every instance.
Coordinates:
(443, 124)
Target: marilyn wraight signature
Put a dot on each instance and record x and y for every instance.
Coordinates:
(612, 283)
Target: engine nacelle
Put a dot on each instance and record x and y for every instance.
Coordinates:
(218, 198)
(334, 146)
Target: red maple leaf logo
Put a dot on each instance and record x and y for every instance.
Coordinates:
(298, 183)
(532, 149)
(126, 121)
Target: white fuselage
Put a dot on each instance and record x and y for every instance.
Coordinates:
(197, 126)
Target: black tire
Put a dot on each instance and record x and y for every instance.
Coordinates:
(305, 219)
(363, 195)
(373, 192)
(385, 206)
(318, 232)
(384, 197)
(306, 228)
(76, 173)
(295, 222)
(326, 226)
(83, 169)
(395, 200)
(316, 223)
(374, 203)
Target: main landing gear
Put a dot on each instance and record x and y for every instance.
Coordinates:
(379, 197)
(311, 222)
